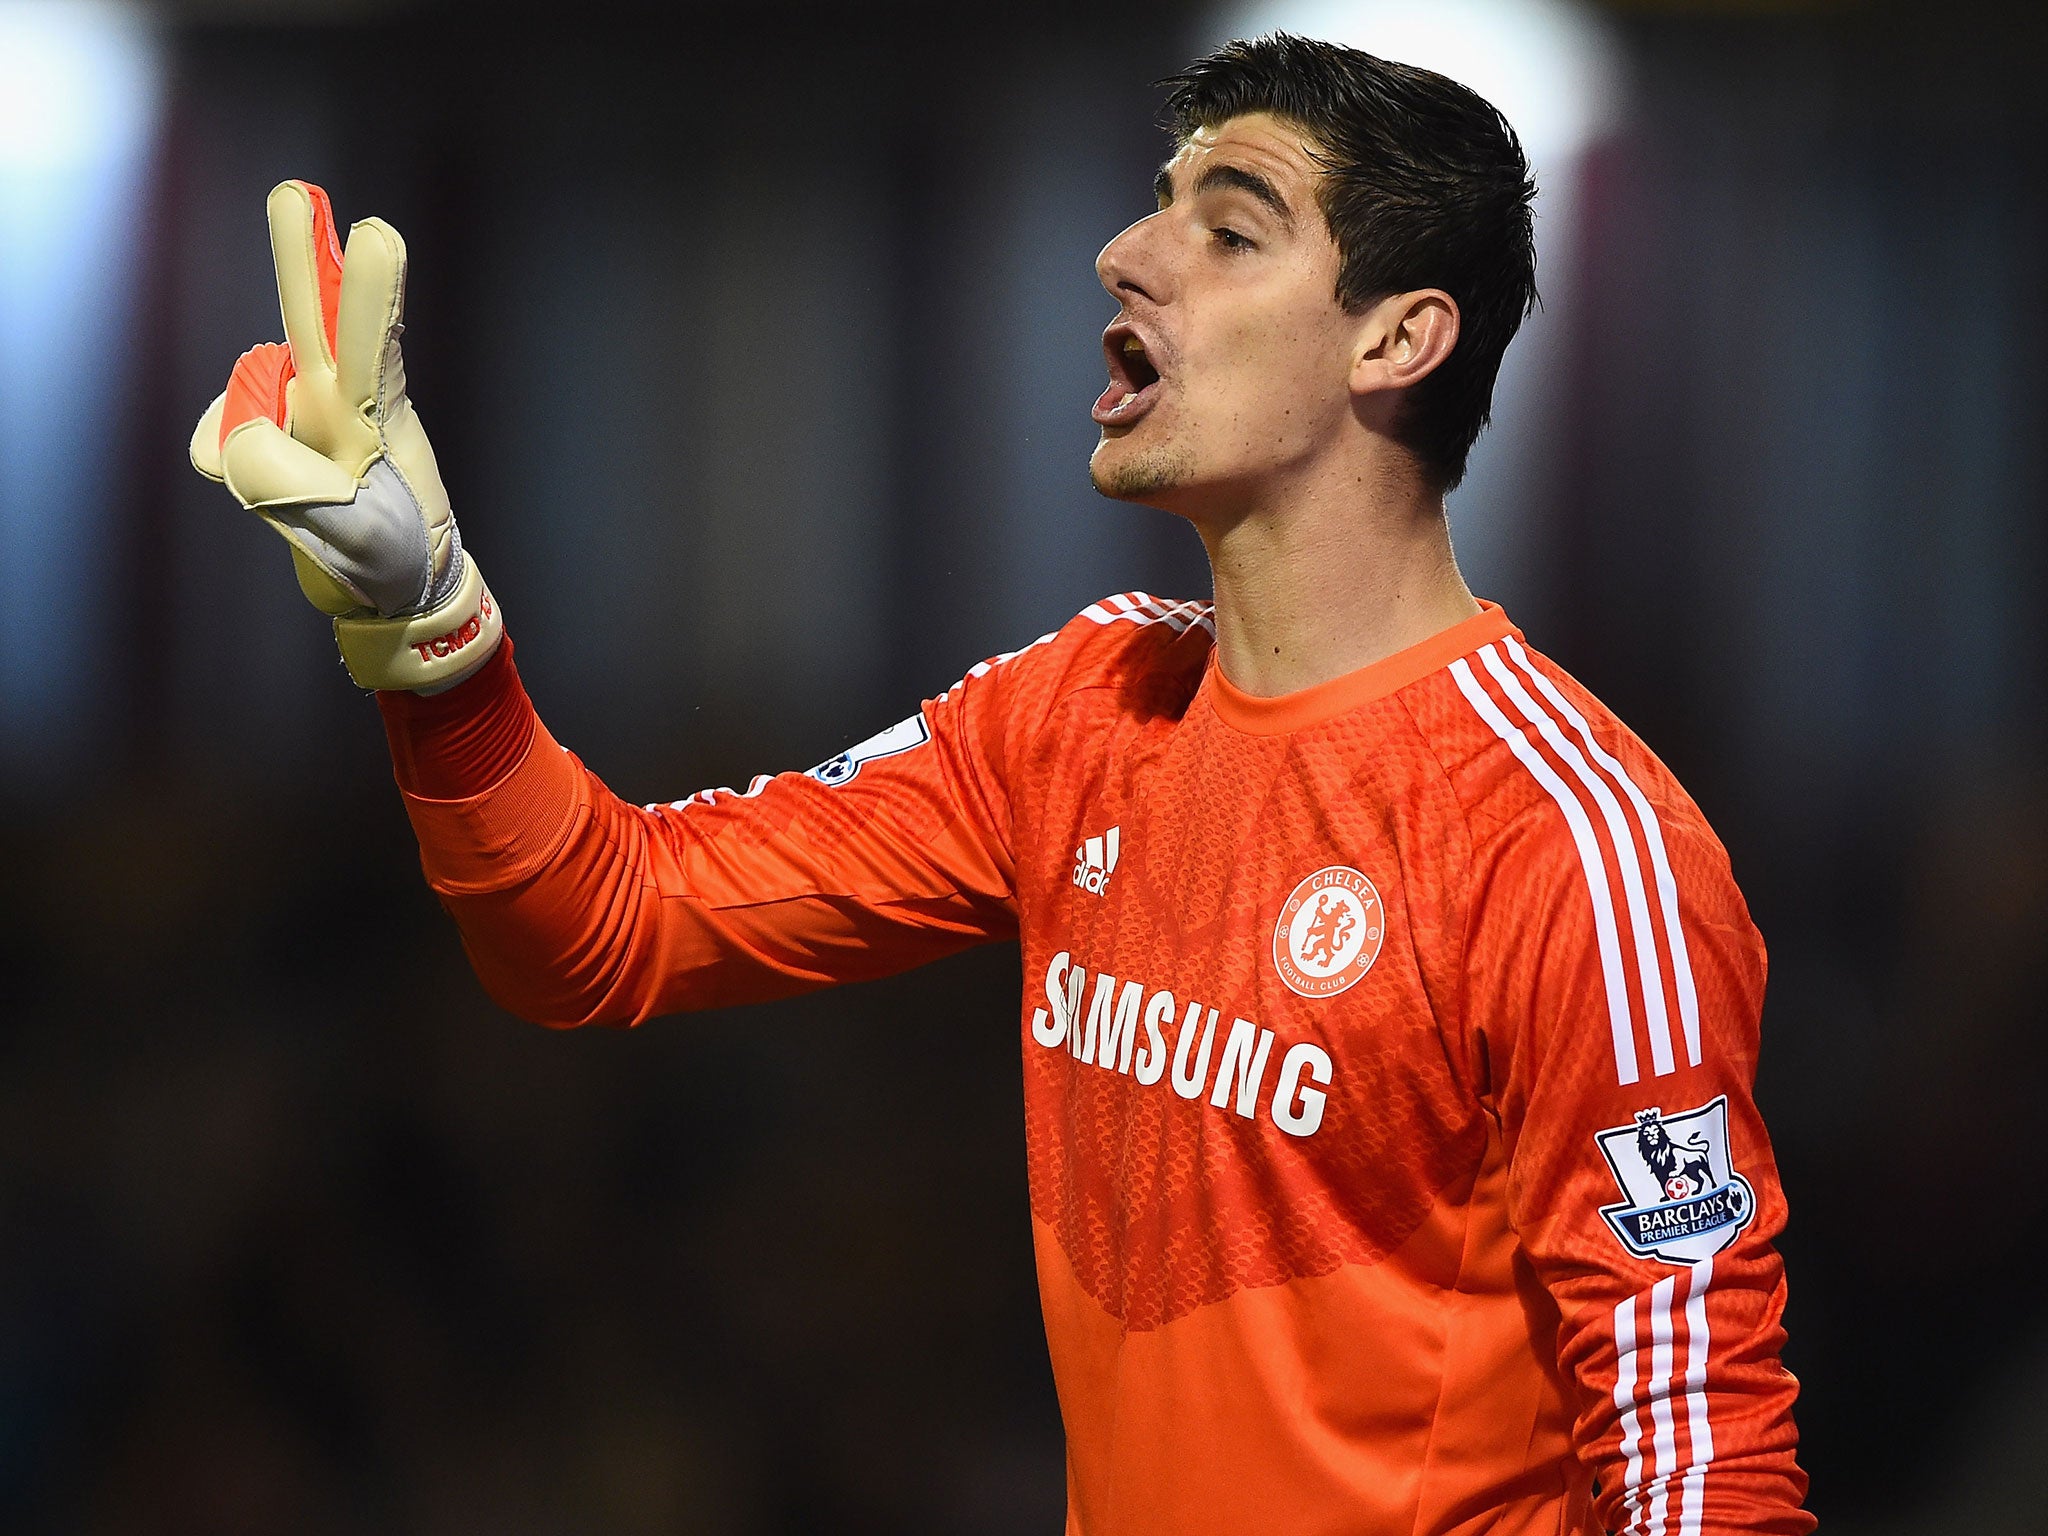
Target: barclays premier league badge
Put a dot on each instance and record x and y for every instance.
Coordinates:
(1685, 1200)
(900, 737)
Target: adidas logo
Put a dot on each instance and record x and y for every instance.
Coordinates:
(1095, 861)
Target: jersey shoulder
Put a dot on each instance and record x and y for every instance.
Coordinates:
(1544, 771)
(1150, 650)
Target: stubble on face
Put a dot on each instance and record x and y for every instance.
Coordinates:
(1145, 477)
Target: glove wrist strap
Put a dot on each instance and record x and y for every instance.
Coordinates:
(436, 647)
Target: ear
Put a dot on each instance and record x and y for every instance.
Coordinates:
(1402, 338)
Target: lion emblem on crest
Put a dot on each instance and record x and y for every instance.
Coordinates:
(1682, 1167)
(1682, 1199)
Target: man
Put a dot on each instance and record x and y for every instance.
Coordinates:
(1391, 1013)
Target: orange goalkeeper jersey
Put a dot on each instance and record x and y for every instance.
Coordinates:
(1388, 1052)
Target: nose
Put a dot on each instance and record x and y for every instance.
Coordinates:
(1129, 263)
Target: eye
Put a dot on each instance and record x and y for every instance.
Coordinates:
(1231, 240)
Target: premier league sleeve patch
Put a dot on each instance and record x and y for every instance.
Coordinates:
(900, 737)
(1685, 1201)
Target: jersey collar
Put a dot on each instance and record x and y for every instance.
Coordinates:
(1312, 706)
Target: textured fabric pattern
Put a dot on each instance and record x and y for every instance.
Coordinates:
(1338, 1244)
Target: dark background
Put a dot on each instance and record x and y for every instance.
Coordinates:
(756, 344)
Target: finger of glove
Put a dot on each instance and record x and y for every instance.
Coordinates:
(266, 467)
(372, 306)
(256, 391)
(257, 388)
(308, 259)
(205, 445)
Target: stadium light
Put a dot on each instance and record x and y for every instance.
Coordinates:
(79, 88)
(77, 79)
(1549, 65)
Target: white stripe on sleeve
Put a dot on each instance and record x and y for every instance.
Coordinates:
(1590, 860)
(1692, 1486)
(1664, 1441)
(1142, 608)
(1649, 972)
(1653, 837)
(1625, 1400)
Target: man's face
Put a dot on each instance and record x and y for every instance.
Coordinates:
(1230, 364)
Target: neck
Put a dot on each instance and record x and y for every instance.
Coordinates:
(1330, 577)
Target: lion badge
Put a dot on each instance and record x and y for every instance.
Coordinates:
(1329, 932)
(1684, 1200)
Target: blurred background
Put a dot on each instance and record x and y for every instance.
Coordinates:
(757, 345)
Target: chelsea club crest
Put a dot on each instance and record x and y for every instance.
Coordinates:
(1685, 1201)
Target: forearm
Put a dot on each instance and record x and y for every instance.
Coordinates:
(551, 915)
(1687, 1419)
(464, 742)
(577, 908)
(545, 873)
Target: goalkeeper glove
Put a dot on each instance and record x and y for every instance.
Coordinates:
(318, 439)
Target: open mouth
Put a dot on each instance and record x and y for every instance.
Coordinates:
(1133, 378)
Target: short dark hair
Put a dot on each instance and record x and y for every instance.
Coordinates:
(1425, 186)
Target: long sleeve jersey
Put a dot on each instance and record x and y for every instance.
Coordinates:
(1388, 1051)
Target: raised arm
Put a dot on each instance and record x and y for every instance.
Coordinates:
(578, 908)
(574, 906)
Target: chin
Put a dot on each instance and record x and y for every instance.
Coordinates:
(1148, 475)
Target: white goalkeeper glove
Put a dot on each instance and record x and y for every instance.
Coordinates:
(318, 439)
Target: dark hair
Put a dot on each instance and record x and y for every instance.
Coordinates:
(1424, 186)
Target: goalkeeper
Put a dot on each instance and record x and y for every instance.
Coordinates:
(1391, 1013)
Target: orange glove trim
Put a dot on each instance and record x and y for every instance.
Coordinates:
(256, 387)
(327, 258)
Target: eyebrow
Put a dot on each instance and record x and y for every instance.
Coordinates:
(1236, 178)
